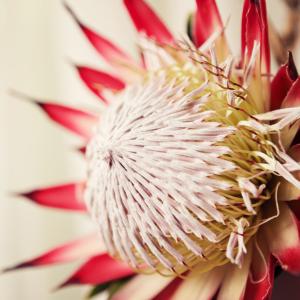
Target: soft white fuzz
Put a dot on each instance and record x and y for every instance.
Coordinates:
(150, 168)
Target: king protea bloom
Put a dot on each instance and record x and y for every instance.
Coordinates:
(192, 168)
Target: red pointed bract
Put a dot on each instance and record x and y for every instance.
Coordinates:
(99, 269)
(292, 98)
(285, 245)
(207, 21)
(108, 50)
(290, 135)
(282, 82)
(255, 28)
(66, 196)
(146, 21)
(81, 248)
(260, 290)
(261, 278)
(77, 121)
(97, 81)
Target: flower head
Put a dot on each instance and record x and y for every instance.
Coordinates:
(191, 165)
(172, 173)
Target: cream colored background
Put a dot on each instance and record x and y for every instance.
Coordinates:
(37, 40)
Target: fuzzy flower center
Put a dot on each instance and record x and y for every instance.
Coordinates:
(173, 180)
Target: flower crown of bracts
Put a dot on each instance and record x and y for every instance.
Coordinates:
(192, 166)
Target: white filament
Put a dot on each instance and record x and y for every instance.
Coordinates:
(155, 57)
(280, 164)
(236, 241)
(247, 188)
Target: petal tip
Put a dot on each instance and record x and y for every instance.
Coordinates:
(16, 267)
(82, 150)
(19, 95)
(28, 195)
(292, 69)
(62, 285)
(71, 12)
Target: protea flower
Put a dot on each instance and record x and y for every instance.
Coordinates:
(192, 169)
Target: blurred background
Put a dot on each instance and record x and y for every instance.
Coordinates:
(38, 39)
